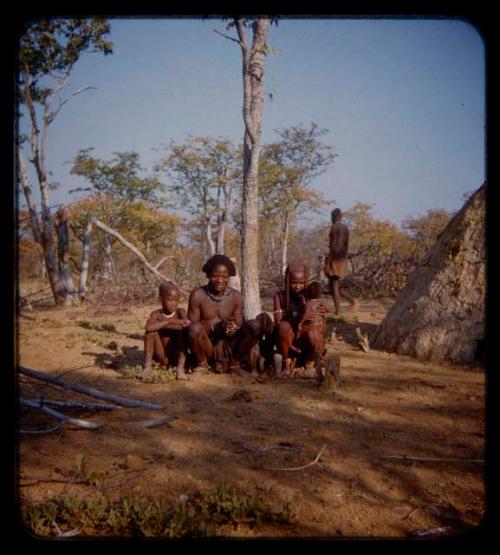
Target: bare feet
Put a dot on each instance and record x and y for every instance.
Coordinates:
(145, 373)
(181, 375)
(237, 370)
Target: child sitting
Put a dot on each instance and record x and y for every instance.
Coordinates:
(164, 341)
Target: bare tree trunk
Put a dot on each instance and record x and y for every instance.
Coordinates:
(221, 231)
(211, 248)
(63, 256)
(82, 287)
(28, 194)
(272, 250)
(253, 104)
(107, 266)
(38, 149)
(43, 271)
(284, 244)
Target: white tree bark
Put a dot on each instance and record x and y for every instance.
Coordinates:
(28, 195)
(82, 287)
(253, 105)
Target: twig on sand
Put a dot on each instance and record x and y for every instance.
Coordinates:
(315, 461)
(260, 452)
(61, 534)
(430, 459)
(156, 421)
(37, 480)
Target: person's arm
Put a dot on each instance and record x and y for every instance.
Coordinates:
(233, 324)
(278, 309)
(179, 322)
(155, 322)
(193, 312)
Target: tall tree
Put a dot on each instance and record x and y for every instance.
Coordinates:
(253, 106)
(205, 173)
(122, 196)
(49, 49)
(425, 229)
(287, 170)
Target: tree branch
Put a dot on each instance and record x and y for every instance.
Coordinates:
(129, 246)
(52, 115)
(227, 36)
(299, 467)
(55, 414)
(88, 390)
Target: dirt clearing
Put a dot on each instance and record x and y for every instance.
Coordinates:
(403, 441)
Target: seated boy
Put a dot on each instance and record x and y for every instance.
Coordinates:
(164, 340)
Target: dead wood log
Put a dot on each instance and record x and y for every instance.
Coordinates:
(156, 421)
(37, 480)
(260, 452)
(430, 459)
(75, 405)
(51, 430)
(55, 414)
(88, 390)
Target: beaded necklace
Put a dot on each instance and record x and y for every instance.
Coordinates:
(216, 298)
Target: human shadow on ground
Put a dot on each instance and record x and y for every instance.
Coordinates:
(118, 360)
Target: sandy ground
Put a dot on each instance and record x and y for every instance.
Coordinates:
(387, 407)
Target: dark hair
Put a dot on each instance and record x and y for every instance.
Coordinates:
(314, 290)
(166, 286)
(293, 267)
(219, 260)
(336, 215)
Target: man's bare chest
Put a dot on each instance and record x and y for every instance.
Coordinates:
(222, 308)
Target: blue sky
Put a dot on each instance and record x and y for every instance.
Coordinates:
(403, 100)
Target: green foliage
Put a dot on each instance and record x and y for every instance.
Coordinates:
(287, 167)
(424, 230)
(200, 515)
(118, 177)
(53, 46)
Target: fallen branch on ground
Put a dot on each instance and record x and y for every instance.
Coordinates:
(46, 431)
(430, 459)
(156, 421)
(55, 414)
(61, 534)
(36, 480)
(260, 452)
(315, 461)
(88, 390)
(75, 405)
